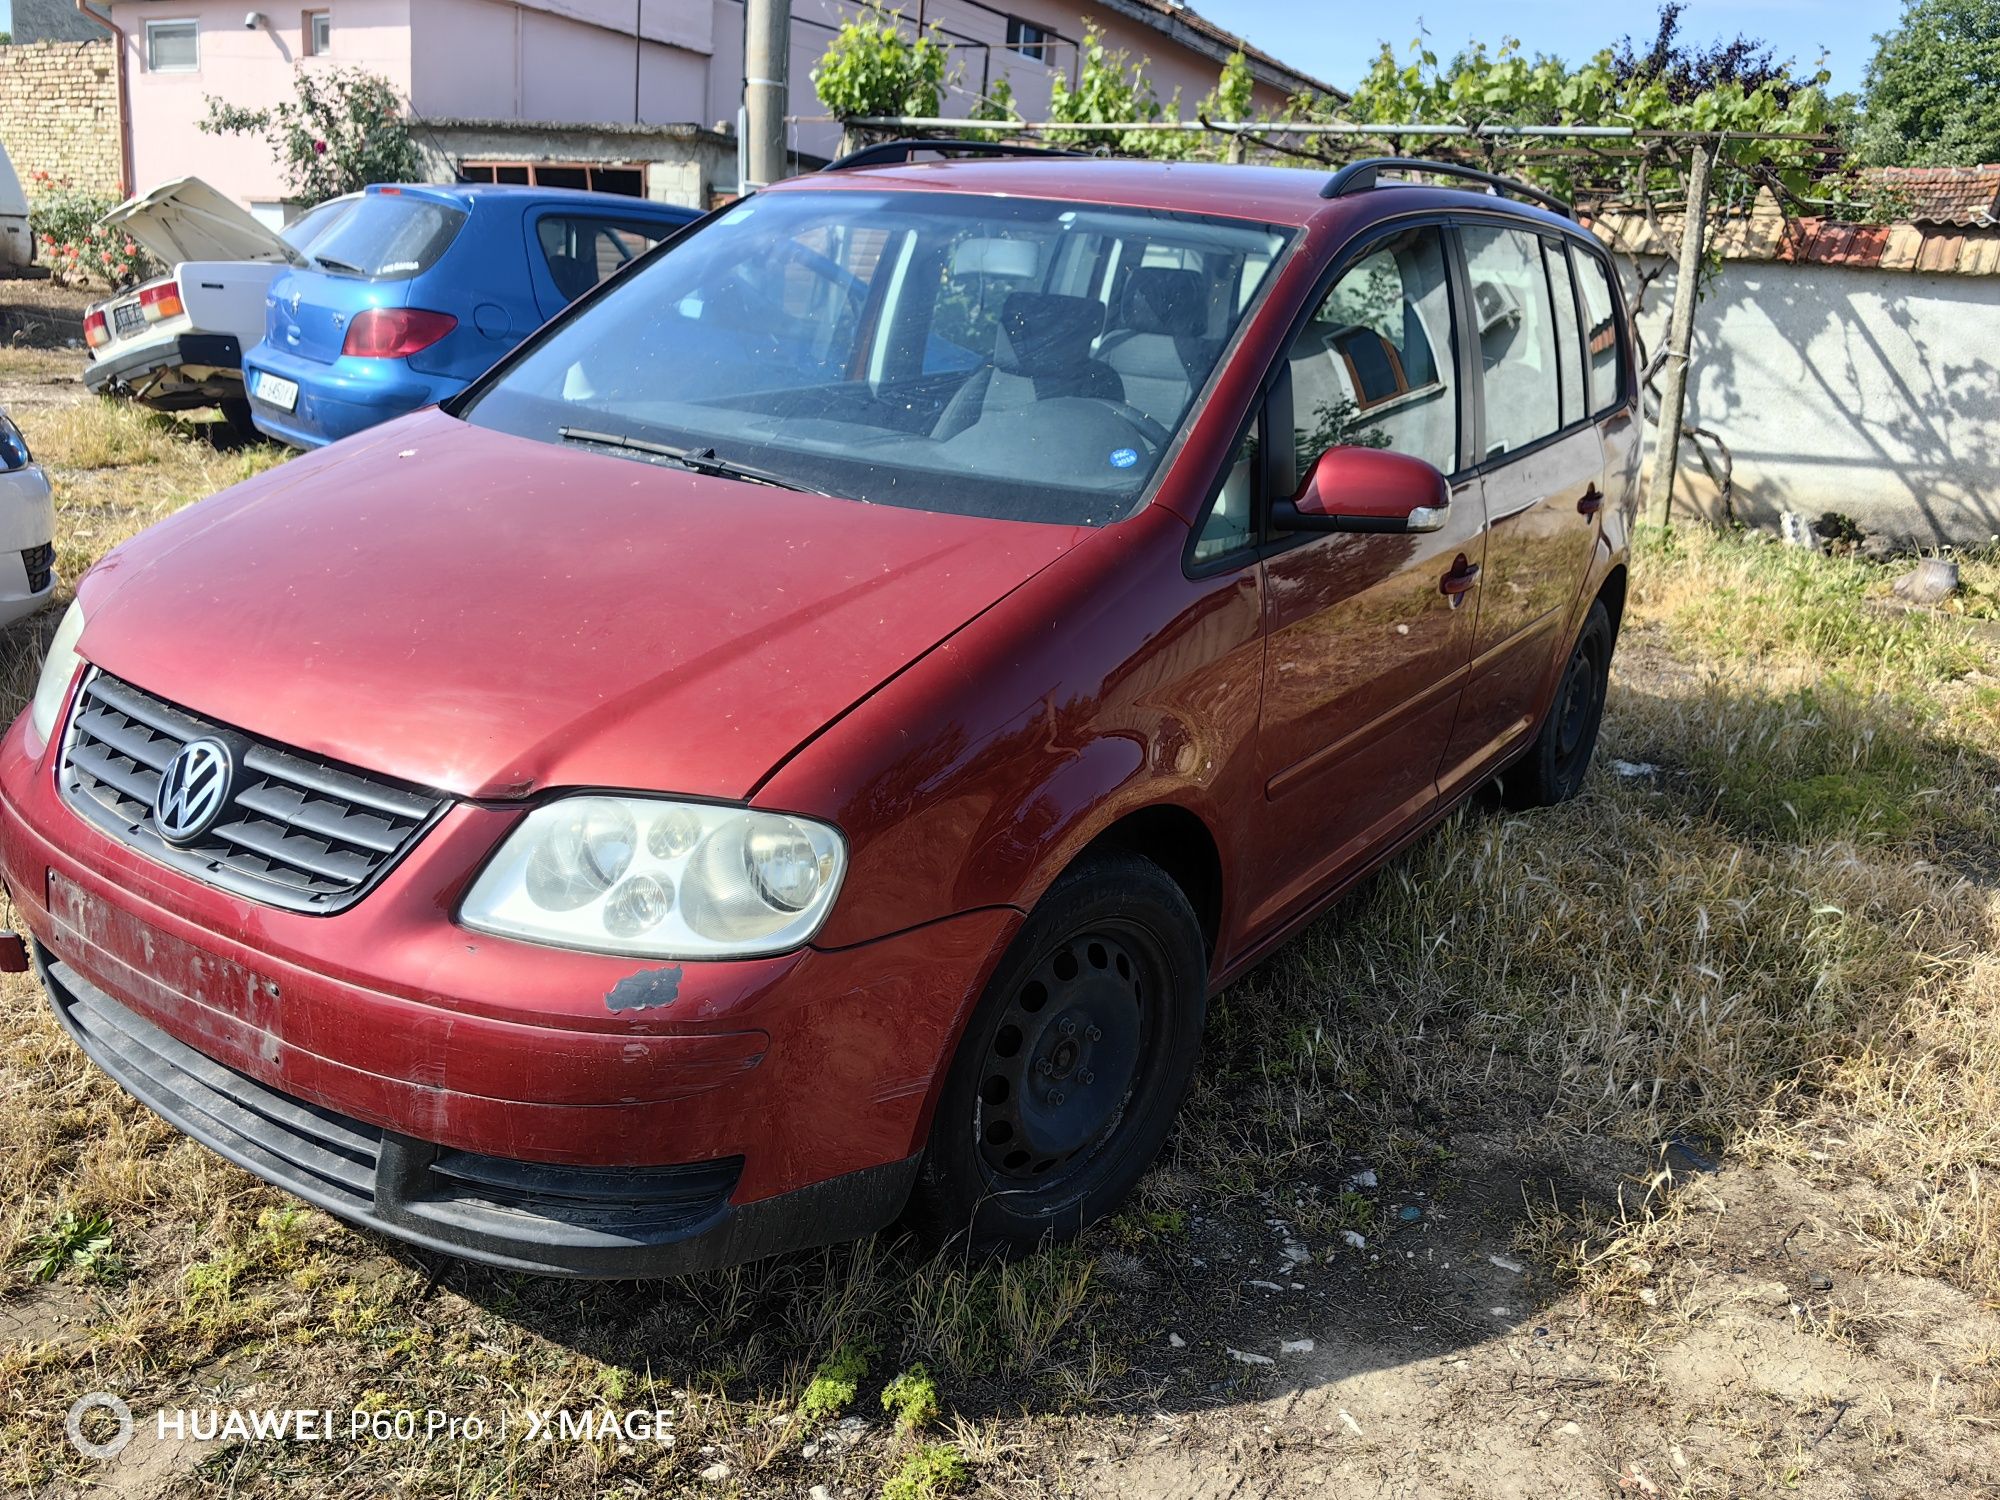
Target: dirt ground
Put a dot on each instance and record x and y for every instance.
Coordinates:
(1581, 1154)
(36, 313)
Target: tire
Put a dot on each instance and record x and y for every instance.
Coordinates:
(236, 413)
(1554, 766)
(1072, 1068)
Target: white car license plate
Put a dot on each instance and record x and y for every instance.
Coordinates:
(275, 390)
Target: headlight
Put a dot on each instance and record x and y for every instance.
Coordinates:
(658, 879)
(58, 669)
(13, 447)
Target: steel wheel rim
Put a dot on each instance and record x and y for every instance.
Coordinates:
(1065, 1058)
(1575, 706)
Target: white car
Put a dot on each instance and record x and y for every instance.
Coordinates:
(17, 244)
(178, 342)
(27, 529)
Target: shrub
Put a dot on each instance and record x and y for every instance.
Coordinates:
(345, 130)
(834, 1384)
(913, 1397)
(872, 68)
(68, 240)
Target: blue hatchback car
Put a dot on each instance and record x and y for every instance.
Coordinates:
(417, 289)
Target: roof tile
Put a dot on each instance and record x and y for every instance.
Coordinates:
(1966, 196)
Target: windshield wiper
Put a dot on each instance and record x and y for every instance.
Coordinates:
(338, 267)
(698, 460)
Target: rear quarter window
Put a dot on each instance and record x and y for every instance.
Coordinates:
(388, 237)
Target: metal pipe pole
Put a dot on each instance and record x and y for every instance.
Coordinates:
(1680, 342)
(767, 56)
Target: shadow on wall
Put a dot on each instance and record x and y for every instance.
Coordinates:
(1874, 394)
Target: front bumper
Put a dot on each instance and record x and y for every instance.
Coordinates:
(483, 1096)
(190, 369)
(518, 1216)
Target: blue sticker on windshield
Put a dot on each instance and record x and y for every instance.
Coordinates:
(1124, 458)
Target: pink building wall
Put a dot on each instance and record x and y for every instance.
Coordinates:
(252, 68)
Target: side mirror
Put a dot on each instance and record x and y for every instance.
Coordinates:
(1366, 489)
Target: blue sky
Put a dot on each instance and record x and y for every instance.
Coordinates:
(1340, 53)
(1338, 42)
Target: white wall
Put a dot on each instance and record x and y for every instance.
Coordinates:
(1868, 392)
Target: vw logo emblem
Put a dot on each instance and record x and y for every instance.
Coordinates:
(193, 790)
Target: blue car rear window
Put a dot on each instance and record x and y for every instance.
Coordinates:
(387, 237)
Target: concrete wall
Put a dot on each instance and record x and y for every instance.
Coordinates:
(1868, 392)
(684, 164)
(59, 112)
(252, 68)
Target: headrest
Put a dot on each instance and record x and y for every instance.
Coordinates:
(993, 257)
(1042, 333)
(1159, 299)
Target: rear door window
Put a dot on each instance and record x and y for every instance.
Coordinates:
(581, 252)
(1600, 329)
(388, 237)
(1515, 326)
(1568, 340)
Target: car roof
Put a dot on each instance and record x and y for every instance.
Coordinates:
(468, 194)
(1270, 195)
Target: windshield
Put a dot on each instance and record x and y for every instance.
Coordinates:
(314, 222)
(386, 236)
(989, 356)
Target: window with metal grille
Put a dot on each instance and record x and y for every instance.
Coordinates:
(626, 178)
(1030, 40)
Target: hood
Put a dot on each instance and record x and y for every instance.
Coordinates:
(490, 615)
(189, 220)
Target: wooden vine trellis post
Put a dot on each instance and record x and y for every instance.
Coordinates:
(1680, 341)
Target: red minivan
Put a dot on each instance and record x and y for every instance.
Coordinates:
(801, 740)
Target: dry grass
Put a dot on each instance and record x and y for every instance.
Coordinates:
(1773, 944)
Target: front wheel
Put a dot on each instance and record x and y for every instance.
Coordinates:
(1072, 1068)
(1553, 769)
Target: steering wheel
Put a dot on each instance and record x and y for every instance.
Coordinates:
(1156, 436)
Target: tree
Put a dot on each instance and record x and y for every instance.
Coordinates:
(1932, 94)
(345, 130)
(871, 68)
(1687, 70)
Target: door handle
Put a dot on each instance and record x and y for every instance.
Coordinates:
(1591, 503)
(1460, 581)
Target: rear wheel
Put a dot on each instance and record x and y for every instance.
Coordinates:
(1068, 1078)
(1553, 769)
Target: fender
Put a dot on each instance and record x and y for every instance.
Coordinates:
(974, 777)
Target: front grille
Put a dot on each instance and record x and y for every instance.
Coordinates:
(40, 564)
(126, 318)
(294, 832)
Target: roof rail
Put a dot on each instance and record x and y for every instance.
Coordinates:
(1360, 177)
(886, 153)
